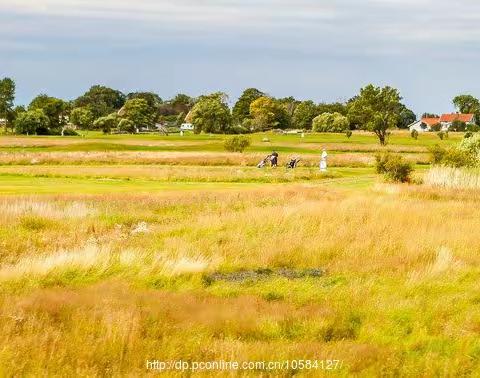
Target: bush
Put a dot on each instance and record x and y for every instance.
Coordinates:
(458, 125)
(473, 128)
(237, 143)
(414, 134)
(394, 167)
(330, 123)
(451, 157)
(468, 134)
(441, 135)
(348, 134)
(436, 127)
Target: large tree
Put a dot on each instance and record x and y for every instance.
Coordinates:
(82, 117)
(304, 114)
(268, 113)
(101, 100)
(466, 104)
(32, 122)
(241, 109)
(376, 109)
(54, 108)
(407, 117)
(211, 114)
(7, 97)
(139, 113)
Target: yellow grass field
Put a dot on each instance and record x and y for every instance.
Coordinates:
(113, 258)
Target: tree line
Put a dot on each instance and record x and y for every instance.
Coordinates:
(377, 109)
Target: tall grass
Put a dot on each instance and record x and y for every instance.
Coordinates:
(460, 178)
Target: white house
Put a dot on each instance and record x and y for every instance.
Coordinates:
(187, 127)
(424, 124)
(446, 120)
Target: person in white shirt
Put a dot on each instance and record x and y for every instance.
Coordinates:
(323, 161)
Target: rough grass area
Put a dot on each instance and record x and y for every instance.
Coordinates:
(112, 258)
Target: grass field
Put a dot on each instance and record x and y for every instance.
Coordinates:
(115, 250)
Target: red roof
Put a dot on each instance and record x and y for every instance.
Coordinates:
(431, 121)
(457, 117)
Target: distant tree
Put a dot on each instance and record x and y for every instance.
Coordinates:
(304, 114)
(267, 113)
(376, 109)
(458, 125)
(289, 104)
(153, 100)
(241, 109)
(334, 107)
(430, 115)
(127, 126)
(466, 104)
(407, 117)
(32, 122)
(107, 123)
(7, 97)
(138, 112)
(211, 114)
(54, 108)
(330, 122)
(181, 103)
(101, 100)
(436, 127)
(82, 117)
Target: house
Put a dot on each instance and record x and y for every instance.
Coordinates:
(425, 124)
(187, 127)
(446, 120)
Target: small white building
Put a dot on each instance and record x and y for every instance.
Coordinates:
(187, 127)
(424, 124)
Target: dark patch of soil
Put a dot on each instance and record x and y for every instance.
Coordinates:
(262, 274)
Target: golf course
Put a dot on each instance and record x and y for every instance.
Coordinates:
(116, 250)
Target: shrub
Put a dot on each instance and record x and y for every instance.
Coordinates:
(394, 167)
(348, 133)
(441, 135)
(473, 128)
(236, 143)
(330, 123)
(414, 134)
(458, 125)
(451, 157)
(468, 134)
(436, 127)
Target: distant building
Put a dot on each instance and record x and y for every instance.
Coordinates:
(187, 127)
(446, 120)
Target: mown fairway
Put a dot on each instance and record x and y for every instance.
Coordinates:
(115, 250)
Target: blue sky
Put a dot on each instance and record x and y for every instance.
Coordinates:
(320, 50)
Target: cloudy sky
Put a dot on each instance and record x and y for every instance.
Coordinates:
(311, 49)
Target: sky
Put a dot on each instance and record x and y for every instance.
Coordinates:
(320, 50)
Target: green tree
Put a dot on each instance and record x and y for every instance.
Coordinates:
(138, 112)
(32, 122)
(7, 97)
(101, 100)
(406, 118)
(304, 114)
(466, 104)
(376, 109)
(334, 107)
(107, 123)
(330, 122)
(54, 108)
(241, 109)
(82, 117)
(211, 114)
(267, 114)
